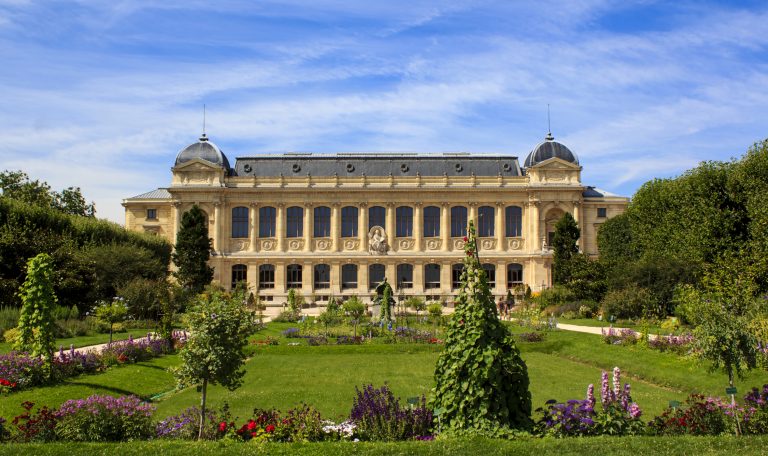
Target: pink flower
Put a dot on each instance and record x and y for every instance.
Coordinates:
(222, 426)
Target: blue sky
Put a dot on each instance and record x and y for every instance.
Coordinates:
(103, 94)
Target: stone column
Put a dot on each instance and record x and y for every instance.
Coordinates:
(307, 276)
(390, 272)
(176, 220)
(362, 226)
(391, 226)
(309, 227)
(335, 227)
(499, 228)
(472, 216)
(362, 279)
(418, 227)
(280, 278)
(418, 278)
(253, 213)
(445, 278)
(535, 240)
(335, 279)
(217, 223)
(280, 228)
(252, 276)
(445, 227)
(501, 278)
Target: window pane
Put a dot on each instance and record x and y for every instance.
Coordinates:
(490, 274)
(293, 276)
(349, 221)
(431, 276)
(151, 214)
(602, 212)
(266, 276)
(295, 225)
(485, 221)
(240, 222)
(404, 221)
(456, 271)
(458, 221)
(322, 221)
(322, 276)
(349, 276)
(377, 216)
(239, 274)
(431, 221)
(267, 216)
(514, 221)
(376, 275)
(514, 275)
(404, 276)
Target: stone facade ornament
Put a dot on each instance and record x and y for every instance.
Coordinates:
(433, 244)
(296, 244)
(488, 244)
(351, 244)
(323, 244)
(268, 245)
(515, 244)
(377, 241)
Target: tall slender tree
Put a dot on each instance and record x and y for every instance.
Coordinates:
(193, 250)
(36, 322)
(564, 246)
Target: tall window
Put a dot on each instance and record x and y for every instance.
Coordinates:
(376, 275)
(295, 222)
(404, 276)
(485, 222)
(151, 214)
(322, 276)
(239, 274)
(348, 276)
(458, 221)
(322, 221)
(514, 275)
(377, 216)
(490, 274)
(456, 271)
(267, 216)
(431, 276)
(431, 221)
(349, 221)
(266, 276)
(514, 216)
(404, 221)
(293, 276)
(240, 222)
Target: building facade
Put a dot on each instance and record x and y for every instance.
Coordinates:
(337, 224)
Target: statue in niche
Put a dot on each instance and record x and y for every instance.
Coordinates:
(377, 241)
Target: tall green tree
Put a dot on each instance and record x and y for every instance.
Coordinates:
(219, 326)
(111, 313)
(18, 186)
(36, 323)
(481, 382)
(565, 248)
(355, 310)
(193, 250)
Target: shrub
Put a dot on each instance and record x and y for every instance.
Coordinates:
(186, 424)
(555, 296)
(630, 302)
(377, 415)
(677, 344)
(702, 416)
(291, 333)
(757, 421)
(105, 419)
(9, 318)
(287, 316)
(35, 427)
(302, 424)
(535, 336)
(624, 336)
(11, 335)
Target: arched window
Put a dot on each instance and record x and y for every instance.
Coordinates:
(239, 274)
(266, 276)
(431, 276)
(431, 221)
(322, 276)
(514, 275)
(295, 222)
(404, 276)
(485, 221)
(293, 276)
(404, 221)
(267, 217)
(376, 274)
(514, 216)
(349, 221)
(377, 216)
(322, 221)
(348, 276)
(458, 221)
(456, 271)
(490, 274)
(240, 222)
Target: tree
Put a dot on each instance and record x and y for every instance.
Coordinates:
(38, 299)
(111, 313)
(481, 382)
(295, 301)
(219, 326)
(16, 185)
(564, 246)
(193, 250)
(71, 201)
(355, 309)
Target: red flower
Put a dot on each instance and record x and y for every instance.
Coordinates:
(469, 252)
(465, 239)
(251, 425)
(270, 429)
(222, 426)
(254, 434)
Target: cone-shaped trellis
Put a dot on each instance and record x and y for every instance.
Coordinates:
(481, 381)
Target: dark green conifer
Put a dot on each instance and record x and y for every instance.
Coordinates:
(193, 249)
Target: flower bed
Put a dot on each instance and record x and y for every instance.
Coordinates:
(677, 344)
(624, 336)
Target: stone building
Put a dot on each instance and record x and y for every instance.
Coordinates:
(337, 224)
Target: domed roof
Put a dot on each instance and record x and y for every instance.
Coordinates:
(550, 149)
(204, 150)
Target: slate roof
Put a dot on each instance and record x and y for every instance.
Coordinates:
(204, 150)
(594, 192)
(550, 149)
(160, 193)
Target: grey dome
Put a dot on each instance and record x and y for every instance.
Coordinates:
(550, 149)
(204, 150)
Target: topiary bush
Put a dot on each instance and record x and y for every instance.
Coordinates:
(481, 380)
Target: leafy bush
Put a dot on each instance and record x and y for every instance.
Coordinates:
(677, 344)
(37, 426)
(186, 424)
(756, 402)
(536, 336)
(630, 302)
(555, 296)
(302, 424)
(144, 297)
(624, 336)
(377, 415)
(287, 316)
(291, 333)
(702, 416)
(105, 419)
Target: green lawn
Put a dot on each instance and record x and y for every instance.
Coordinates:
(84, 341)
(620, 446)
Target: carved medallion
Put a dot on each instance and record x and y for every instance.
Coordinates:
(296, 244)
(406, 244)
(351, 244)
(515, 244)
(434, 244)
(458, 244)
(323, 244)
(488, 244)
(268, 245)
